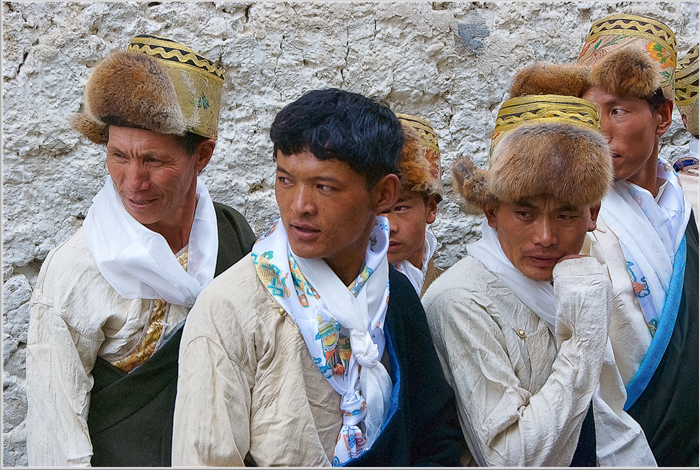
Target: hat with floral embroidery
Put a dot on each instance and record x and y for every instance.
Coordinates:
(631, 56)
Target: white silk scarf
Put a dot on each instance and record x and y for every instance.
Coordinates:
(137, 262)
(415, 275)
(537, 295)
(650, 232)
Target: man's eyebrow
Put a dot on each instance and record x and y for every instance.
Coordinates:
(567, 208)
(524, 203)
(318, 178)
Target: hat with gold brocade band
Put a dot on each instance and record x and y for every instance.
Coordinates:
(687, 89)
(430, 183)
(531, 109)
(156, 84)
(546, 142)
(651, 38)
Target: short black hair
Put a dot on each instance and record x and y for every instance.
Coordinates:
(656, 100)
(340, 125)
(190, 141)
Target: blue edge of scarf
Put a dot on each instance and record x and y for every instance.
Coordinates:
(667, 323)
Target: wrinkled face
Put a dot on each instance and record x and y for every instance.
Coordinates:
(153, 175)
(633, 131)
(407, 221)
(326, 209)
(537, 233)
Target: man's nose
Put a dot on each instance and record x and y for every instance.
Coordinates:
(545, 233)
(303, 202)
(136, 177)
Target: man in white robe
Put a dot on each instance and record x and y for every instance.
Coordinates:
(647, 235)
(107, 312)
(521, 323)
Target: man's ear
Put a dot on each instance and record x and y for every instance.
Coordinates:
(595, 210)
(665, 114)
(385, 193)
(431, 210)
(203, 154)
(490, 213)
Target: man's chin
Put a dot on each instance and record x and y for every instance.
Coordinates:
(538, 274)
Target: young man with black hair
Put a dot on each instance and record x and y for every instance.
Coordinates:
(327, 358)
(647, 235)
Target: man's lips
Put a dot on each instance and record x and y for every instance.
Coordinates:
(394, 246)
(139, 202)
(304, 232)
(543, 260)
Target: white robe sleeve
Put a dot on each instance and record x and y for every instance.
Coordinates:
(504, 424)
(59, 361)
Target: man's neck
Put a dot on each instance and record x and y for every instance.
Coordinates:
(647, 176)
(177, 234)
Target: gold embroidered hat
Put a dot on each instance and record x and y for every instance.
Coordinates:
(631, 55)
(687, 89)
(156, 84)
(542, 144)
(426, 149)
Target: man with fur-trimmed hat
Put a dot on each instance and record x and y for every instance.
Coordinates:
(326, 359)
(520, 324)
(108, 309)
(411, 243)
(647, 235)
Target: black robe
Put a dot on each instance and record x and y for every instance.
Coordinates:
(667, 410)
(131, 415)
(424, 430)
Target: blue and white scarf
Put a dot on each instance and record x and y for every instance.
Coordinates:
(650, 231)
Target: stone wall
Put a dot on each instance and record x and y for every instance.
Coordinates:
(449, 62)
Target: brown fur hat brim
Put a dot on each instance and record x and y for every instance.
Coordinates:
(627, 72)
(566, 162)
(131, 90)
(551, 79)
(414, 168)
(472, 183)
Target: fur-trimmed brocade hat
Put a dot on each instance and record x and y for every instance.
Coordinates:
(156, 84)
(631, 55)
(420, 157)
(543, 144)
(687, 89)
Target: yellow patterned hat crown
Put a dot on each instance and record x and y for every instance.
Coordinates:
(197, 80)
(538, 109)
(687, 89)
(429, 142)
(617, 32)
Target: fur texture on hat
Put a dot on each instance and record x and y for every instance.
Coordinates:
(567, 163)
(551, 79)
(414, 168)
(627, 72)
(131, 90)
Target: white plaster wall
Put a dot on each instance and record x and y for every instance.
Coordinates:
(449, 62)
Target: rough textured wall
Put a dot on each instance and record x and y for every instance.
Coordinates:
(450, 63)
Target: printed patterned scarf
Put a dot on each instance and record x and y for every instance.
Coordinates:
(342, 327)
(650, 233)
